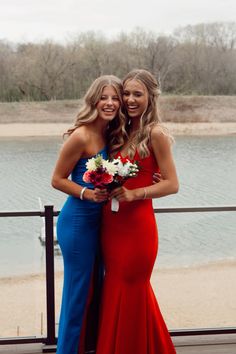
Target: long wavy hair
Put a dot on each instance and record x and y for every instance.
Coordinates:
(115, 134)
(150, 117)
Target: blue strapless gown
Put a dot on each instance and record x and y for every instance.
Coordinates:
(78, 229)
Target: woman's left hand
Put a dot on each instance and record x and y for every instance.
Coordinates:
(122, 194)
(100, 194)
(156, 177)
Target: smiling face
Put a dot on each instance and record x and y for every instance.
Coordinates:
(109, 104)
(135, 98)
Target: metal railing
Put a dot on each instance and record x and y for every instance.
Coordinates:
(49, 214)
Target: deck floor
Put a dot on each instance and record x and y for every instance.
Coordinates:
(218, 344)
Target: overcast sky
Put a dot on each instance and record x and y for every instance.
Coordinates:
(36, 20)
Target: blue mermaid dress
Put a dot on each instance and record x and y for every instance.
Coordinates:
(78, 229)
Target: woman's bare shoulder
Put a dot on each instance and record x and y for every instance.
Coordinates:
(80, 135)
(158, 131)
(81, 132)
(77, 140)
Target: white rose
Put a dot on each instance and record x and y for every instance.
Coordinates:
(123, 169)
(110, 167)
(91, 165)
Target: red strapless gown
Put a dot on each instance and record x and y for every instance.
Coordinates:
(131, 321)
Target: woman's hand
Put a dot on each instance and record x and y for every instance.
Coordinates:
(156, 177)
(96, 195)
(122, 194)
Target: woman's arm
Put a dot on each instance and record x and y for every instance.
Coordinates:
(169, 184)
(161, 147)
(71, 152)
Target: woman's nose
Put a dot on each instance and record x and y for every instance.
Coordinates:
(109, 101)
(130, 99)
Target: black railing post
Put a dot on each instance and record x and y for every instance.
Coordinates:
(49, 233)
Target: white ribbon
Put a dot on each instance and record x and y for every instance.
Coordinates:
(114, 205)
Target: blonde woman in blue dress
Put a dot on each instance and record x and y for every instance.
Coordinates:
(100, 120)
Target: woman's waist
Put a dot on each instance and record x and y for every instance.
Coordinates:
(137, 207)
(74, 203)
(138, 182)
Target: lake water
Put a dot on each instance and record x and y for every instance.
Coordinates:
(207, 172)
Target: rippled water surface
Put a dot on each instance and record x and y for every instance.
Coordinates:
(207, 171)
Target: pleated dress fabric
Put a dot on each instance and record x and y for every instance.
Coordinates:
(78, 229)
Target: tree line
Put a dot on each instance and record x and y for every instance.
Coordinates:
(193, 60)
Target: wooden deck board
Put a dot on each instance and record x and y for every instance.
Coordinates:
(217, 344)
(208, 349)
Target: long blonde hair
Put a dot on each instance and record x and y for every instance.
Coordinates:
(88, 113)
(149, 118)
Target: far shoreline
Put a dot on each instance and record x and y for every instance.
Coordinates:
(11, 130)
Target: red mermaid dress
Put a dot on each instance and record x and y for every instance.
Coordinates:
(130, 318)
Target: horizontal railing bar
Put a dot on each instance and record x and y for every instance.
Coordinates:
(6, 214)
(202, 331)
(173, 333)
(22, 340)
(194, 209)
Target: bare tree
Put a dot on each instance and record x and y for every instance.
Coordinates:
(199, 59)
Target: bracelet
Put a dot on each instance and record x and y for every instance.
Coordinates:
(145, 193)
(82, 193)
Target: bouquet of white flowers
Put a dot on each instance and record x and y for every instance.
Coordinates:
(109, 174)
(99, 172)
(124, 170)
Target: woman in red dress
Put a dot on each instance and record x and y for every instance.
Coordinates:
(131, 321)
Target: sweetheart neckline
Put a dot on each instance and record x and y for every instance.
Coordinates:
(90, 157)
